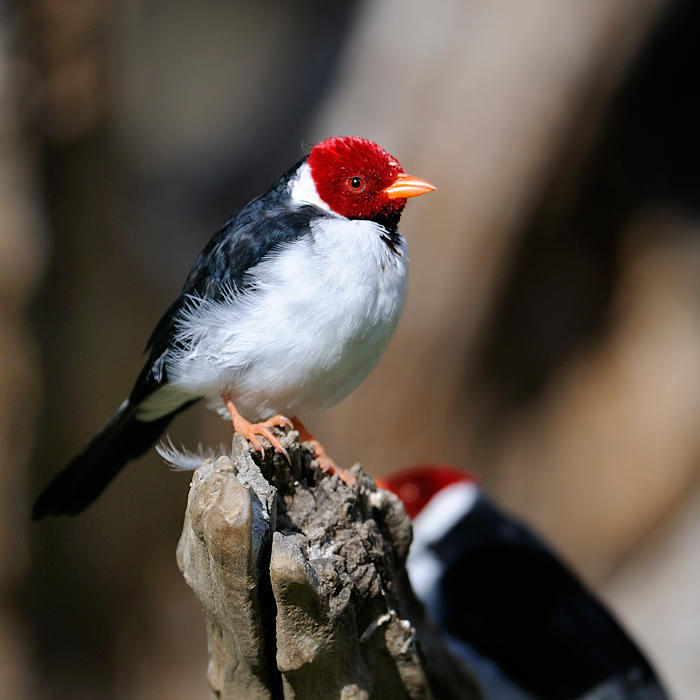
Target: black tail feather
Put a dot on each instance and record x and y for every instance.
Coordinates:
(88, 473)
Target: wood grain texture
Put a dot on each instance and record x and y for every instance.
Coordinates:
(303, 586)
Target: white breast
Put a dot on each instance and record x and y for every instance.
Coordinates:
(317, 317)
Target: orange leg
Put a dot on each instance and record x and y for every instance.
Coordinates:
(324, 460)
(251, 431)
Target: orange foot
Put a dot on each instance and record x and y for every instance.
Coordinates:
(323, 458)
(251, 431)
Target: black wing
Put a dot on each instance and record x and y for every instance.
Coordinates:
(505, 595)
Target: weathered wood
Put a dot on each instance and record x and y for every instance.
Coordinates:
(303, 585)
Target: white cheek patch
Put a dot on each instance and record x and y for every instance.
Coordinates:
(443, 512)
(303, 190)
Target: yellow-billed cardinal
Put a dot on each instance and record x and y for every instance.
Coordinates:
(285, 311)
(522, 620)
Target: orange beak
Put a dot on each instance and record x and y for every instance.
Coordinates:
(408, 186)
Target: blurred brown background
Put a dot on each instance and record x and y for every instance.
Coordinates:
(551, 340)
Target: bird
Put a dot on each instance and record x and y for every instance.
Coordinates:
(285, 311)
(506, 603)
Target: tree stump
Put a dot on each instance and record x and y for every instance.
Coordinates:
(303, 584)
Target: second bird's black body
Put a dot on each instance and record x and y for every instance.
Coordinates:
(507, 598)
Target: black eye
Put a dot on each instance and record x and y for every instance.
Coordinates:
(356, 183)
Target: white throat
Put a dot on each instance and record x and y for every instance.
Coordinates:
(440, 515)
(303, 190)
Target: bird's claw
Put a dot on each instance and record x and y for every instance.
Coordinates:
(253, 431)
(277, 421)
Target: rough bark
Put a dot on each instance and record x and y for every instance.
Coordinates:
(303, 585)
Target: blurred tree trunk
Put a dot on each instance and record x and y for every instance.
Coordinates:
(614, 445)
(21, 263)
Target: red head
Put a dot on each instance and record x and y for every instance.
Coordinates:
(358, 179)
(415, 486)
